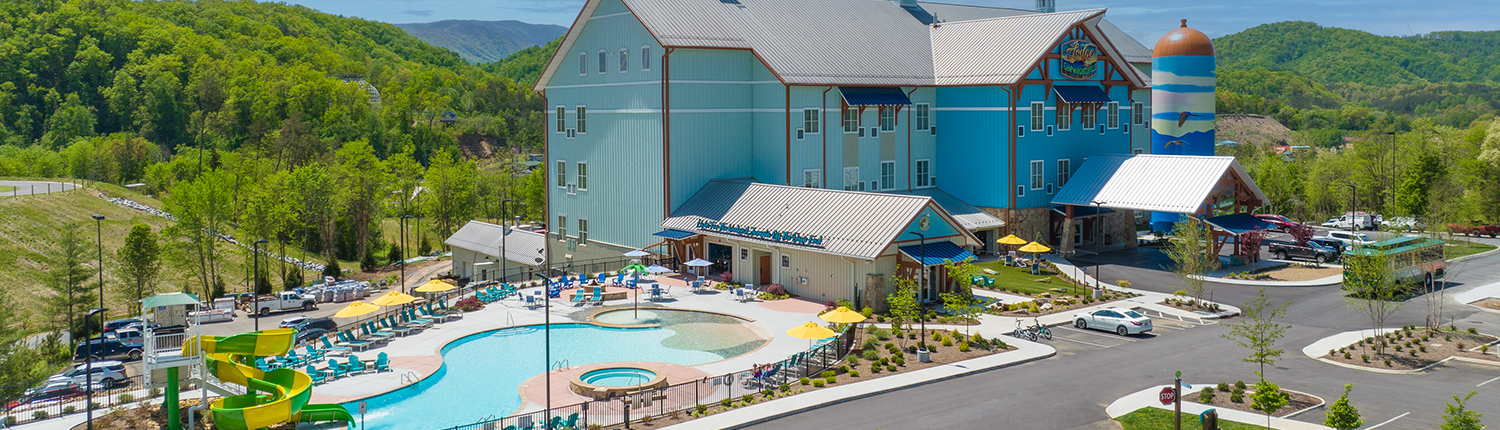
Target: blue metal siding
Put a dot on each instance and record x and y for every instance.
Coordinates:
(713, 124)
(971, 144)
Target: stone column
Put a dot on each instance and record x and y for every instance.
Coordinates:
(1066, 245)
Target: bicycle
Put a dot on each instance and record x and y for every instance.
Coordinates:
(1039, 329)
(1023, 333)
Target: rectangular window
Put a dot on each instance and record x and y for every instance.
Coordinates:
(786, 261)
(1037, 110)
(811, 120)
(645, 58)
(851, 179)
(1137, 113)
(583, 117)
(624, 61)
(1064, 116)
(562, 174)
(583, 64)
(924, 173)
(562, 227)
(562, 119)
(583, 231)
(1114, 115)
(887, 118)
(1137, 151)
(744, 254)
(1037, 170)
(602, 62)
(851, 119)
(922, 114)
(1090, 116)
(812, 178)
(1064, 171)
(583, 176)
(887, 175)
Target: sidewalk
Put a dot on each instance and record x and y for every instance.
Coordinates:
(1147, 300)
(1148, 398)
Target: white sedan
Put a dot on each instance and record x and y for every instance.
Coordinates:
(1119, 320)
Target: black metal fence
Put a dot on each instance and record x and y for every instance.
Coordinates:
(516, 272)
(684, 397)
(131, 389)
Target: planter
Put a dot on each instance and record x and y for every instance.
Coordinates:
(924, 356)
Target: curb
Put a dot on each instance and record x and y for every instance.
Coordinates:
(1321, 403)
(1321, 282)
(1471, 257)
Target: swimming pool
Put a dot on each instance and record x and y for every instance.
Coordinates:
(618, 376)
(482, 372)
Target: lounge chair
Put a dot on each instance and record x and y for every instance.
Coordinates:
(382, 363)
(329, 349)
(338, 370)
(354, 342)
(317, 375)
(313, 354)
(571, 422)
(394, 327)
(598, 296)
(411, 316)
(578, 296)
(374, 333)
(355, 365)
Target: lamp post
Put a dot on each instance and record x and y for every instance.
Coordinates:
(88, 362)
(1099, 221)
(922, 284)
(504, 234)
(404, 256)
(98, 239)
(255, 281)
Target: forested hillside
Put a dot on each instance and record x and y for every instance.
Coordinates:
(525, 66)
(484, 41)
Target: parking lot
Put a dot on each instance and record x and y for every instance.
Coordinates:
(1067, 339)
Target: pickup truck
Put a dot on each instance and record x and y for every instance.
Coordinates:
(1475, 228)
(286, 301)
(1313, 251)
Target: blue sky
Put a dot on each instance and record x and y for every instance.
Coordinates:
(1147, 20)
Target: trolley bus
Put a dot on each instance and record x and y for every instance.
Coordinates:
(1412, 259)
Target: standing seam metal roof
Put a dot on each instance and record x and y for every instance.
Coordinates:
(967, 215)
(1169, 183)
(520, 246)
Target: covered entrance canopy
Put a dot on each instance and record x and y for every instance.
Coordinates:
(937, 253)
(1198, 185)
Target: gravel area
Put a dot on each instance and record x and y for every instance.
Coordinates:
(1415, 352)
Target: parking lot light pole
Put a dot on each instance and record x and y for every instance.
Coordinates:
(255, 281)
(88, 366)
(504, 234)
(99, 239)
(404, 255)
(1099, 223)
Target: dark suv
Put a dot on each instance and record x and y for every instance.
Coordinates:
(322, 323)
(109, 348)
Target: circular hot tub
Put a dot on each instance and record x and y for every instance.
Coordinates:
(608, 382)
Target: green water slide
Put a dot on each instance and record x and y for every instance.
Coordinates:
(272, 397)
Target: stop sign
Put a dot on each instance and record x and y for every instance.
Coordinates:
(1168, 395)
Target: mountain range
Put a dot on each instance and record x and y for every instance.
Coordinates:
(484, 41)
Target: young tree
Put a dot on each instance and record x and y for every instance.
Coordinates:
(452, 186)
(1259, 332)
(1341, 415)
(140, 262)
(67, 280)
(1267, 398)
(965, 305)
(1459, 417)
(1372, 290)
(1191, 249)
(202, 206)
(904, 305)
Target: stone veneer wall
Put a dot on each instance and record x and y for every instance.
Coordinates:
(1029, 224)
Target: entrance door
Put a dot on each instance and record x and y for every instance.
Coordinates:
(765, 270)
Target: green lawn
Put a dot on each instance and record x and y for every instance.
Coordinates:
(6, 188)
(1159, 419)
(1011, 278)
(1462, 248)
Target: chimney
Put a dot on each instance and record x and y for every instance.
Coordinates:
(1046, 6)
(909, 4)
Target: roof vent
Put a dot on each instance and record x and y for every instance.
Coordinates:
(1046, 6)
(911, 4)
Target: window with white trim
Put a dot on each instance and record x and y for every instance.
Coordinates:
(922, 115)
(812, 178)
(887, 175)
(1038, 168)
(562, 174)
(1038, 109)
(1137, 151)
(1090, 117)
(888, 118)
(624, 61)
(851, 119)
(562, 227)
(1064, 172)
(811, 119)
(1137, 113)
(851, 178)
(602, 61)
(583, 231)
(924, 173)
(1064, 116)
(645, 58)
(583, 176)
(583, 64)
(786, 261)
(583, 118)
(562, 119)
(1114, 115)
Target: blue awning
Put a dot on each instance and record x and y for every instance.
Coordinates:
(937, 253)
(1082, 211)
(1238, 223)
(1081, 94)
(874, 96)
(674, 234)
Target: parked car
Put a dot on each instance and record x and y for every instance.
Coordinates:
(1330, 243)
(292, 322)
(1406, 223)
(110, 348)
(1278, 222)
(141, 325)
(1475, 228)
(52, 392)
(1349, 238)
(319, 323)
(119, 324)
(310, 335)
(1119, 320)
(126, 335)
(1313, 251)
(1355, 221)
(105, 373)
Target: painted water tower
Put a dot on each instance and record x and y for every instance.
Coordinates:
(1182, 101)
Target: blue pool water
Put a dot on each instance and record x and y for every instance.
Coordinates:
(618, 377)
(481, 373)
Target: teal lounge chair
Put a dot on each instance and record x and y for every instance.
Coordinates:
(556, 423)
(382, 363)
(313, 354)
(316, 375)
(578, 296)
(353, 341)
(328, 348)
(598, 295)
(338, 370)
(407, 313)
(355, 366)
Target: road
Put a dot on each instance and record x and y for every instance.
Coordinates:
(1092, 369)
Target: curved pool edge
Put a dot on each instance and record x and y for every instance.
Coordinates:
(591, 316)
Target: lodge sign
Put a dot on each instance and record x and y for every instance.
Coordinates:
(1080, 59)
(756, 233)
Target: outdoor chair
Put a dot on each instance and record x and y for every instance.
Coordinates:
(603, 278)
(313, 354)
(411, 316)
(578, 296)
(338, 370)
(355, 365)
(317, 376)
(382, 363)
(598, 297)
(571, 422)
(329, 349)
(348, 338)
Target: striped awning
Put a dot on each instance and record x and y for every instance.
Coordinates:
(1080, 94)
(937, 253)
(674, 234)
(874, 96)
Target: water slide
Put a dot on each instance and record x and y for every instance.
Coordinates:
(272, 397)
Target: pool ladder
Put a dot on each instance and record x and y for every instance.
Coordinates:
(410, 377)
(559, 365)
(510, 320)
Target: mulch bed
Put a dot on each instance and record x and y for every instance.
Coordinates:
(152, 417)
(1073, 303)
(1439, 346)
(1296, 402)
(1489, 303)
(941, 355)
(1183, 304)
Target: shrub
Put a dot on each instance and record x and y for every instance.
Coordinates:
(937, 336)
(1001, 344)
(963, 347)
(875, 367)
(1483, 349)
(1365, 357)
(39, 415)
(871, 343)
(726, 403)
(1448, 338)
(1473, 330)
(1413, 352)
(777, 289)
(1236, 397)
(1387, 362)
(126, 398)
(947, 342)
(1346, 355)
(153, 392)
(911, 336)
(1206, 396)
(784, 388)
(890, 367)
(870, 354)
(854, 373)
(1398, 348)
(804, 381)
(747, 399)
(831, 379)
(899, 360)
(911, 349)
(700, 409)
(1460, 345)
(827, 373)
(1239, 385)
(843, 369)
(1333, 352)
(867, 311)
(1422, 348)
(646, 420)
(10, 421)
(70, 409)
(1223, 387)
(852, 359)
(818, 383)
(468, 304)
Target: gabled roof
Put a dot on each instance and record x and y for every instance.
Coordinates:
(850, 223)
(1168, 183)
(970, 217)
(521, 246)
(831, 42)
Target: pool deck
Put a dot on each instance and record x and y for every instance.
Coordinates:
(419, 354)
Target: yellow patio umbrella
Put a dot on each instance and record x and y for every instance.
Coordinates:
(1011, 240)
(356, 309)
(434, 286)
(842, 315)
(393, 298)
(1035, 248)
(810, 331)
